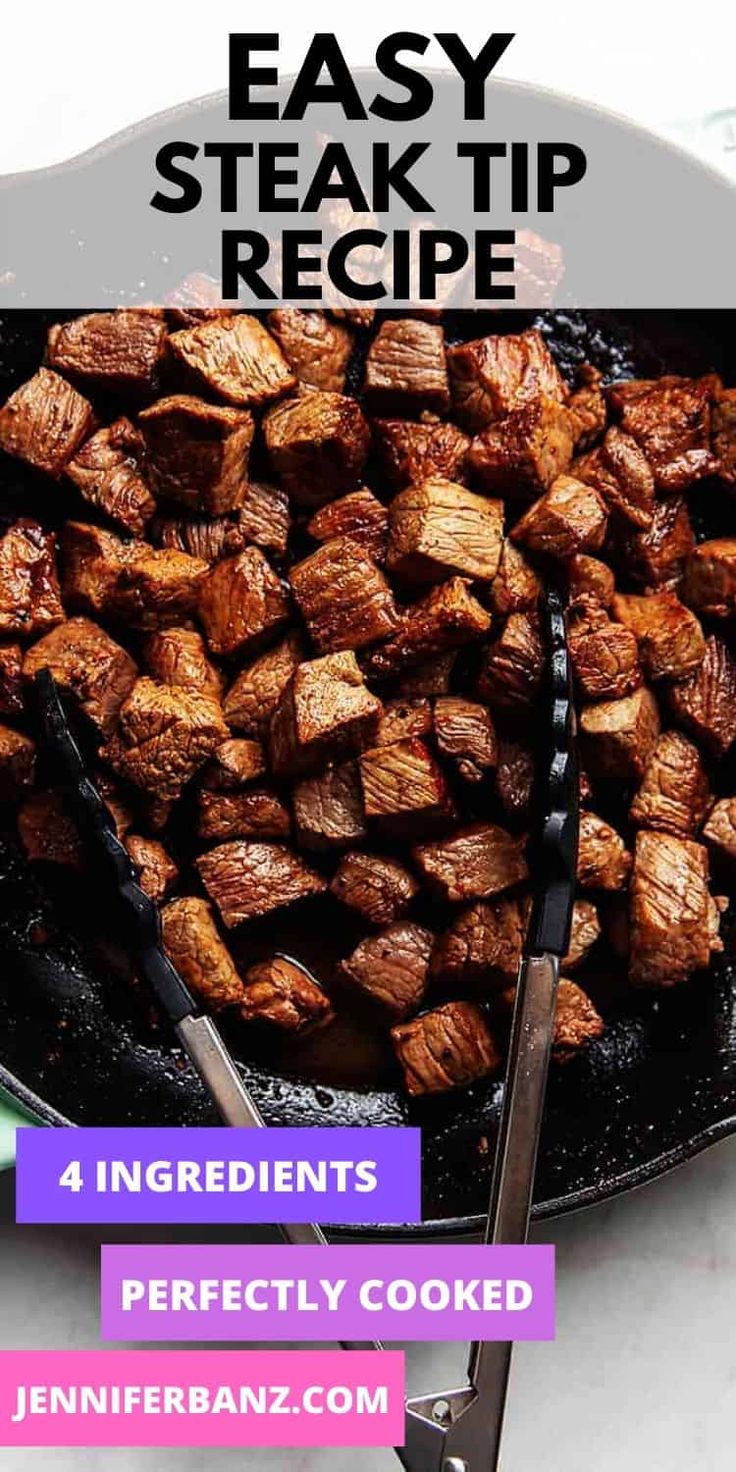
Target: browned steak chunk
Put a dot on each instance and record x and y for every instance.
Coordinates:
(197, 453)
(316, 349)
(106, 473)
(44, 422)
(570, 518)
(619, 736)
(404, 790)
(405, 370)
(584, 933)
(720, 830)
(512, 669)
(328, 808)
(179, 657)
(30, 602)
(263, 518)
(164, 735)
(249, 879)
(85, 661)
(17, 763)
(258, 812)
(669, 418)
(235, 358)
(656, 557)
(317, 443)
(464, 732)
(128, 582)
(473, 863)
(446, 619)
(427, 678)
(255, 692)
(674, 920)
(604, 654)
(241, 603)
(281, 993)
(359, 516)
(515, 779)
(324, 711)
(236, 763)
(390, 969)
(200, 955)
(343, 597)
(409, 452)
(588, 577)
(709, 582)
(119, 350)
(674, 796)
(723, 433)
(403, 719)
(522, 454)
(157, 872)
(446, 1048)
(11, 680)
(196, 298)
(438, 528)
(705, 704)
(587, 404)
(603, 861)
(670, 639)
(377, 887)
(494, 375)
(577, 1021)
(621, 474)
(209, 538)
(516, 587)
(482, 948)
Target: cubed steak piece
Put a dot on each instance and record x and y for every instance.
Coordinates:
(324, 711)
(482, 948)
(241, 603)
(584, 932)
(11, 680)
(588, 577)
(427, 678)
(263, 518)
(674, 796)
(570, 518)
(670, 639)
(255, 691)
(127, 582)
(516, 587)
(493, 375)
(409, 452)
(328, 808)
(316, 349)
(178, 656)
(157, 872)
(402, 720)
(674, 920)
(359, 516)
(514, 779)
(577, 1021)
(246, 880)
(655, 557)
(521, 455)
(404, 790)
(669, 418)
(472, 863)
(723, 433)
(164, 735)
(17, 763)
(720, 830)
(709, 580)
(705, 704)
(106, 473)
(621, 474)
(446, 619)
(464, 732)
(604, 654)
(257, 812)
(603, 859)
(209, 538)
(197, 950)
(283, 994)
(197, 453)
(236, 763)
(234, 358)
(405, 370)
(44, 422)
(390, 969)
(513, 665)
(117, 351)
(343, 597)
(447, 1048)
(619, 736)
(88, 664)
(30, 601)
(375, 886)
(47, 834)
(587, 404)
(437, 528)
(318, 444)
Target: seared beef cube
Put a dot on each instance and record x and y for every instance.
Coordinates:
(119, 350)
(86, 662)
(705, 704)
(587, 576)
(241, 602)
(427, 678)
(577, 1021)
(235, 358)
(409, 452)
(405, 370)
(359, 516)
(473, 863)
(328, 808)
(494, 375)
(670, 419)
(318, 443)
(670, 639)
(316, 349)
(105, 472)
(44, 422)
(674, 796)
(258, 812)
(514, 781)
(587, 404)
(464, 731)
(264, 517)
(656, 556)
(446, 619)
(438, 528)
(674, 920)
(604, 654)
(524, 453)
(197, 453)
(29, 587)
(128, 581)
(447, 1048)
(603, 860)
(250, 879)
(197, 950)
(513, 665)
(570, 518)
(584, 933)
(403, 719)
(11, 680)
(709, 582)
(262, 520)
(197, 298)
(236, 763)
(179, 657)
(343, 597)
(390, 969)
(482, 947)
(47, 834)
(619, 736)
(255, 692)
(378, 888)
(164, 735)
(325, 709)
(157, 872)
(720, 830)
(516, 587)
(17, 763)
(155, 811)
(620, 472)
(280, 992)
(404, 790)
(723, 433)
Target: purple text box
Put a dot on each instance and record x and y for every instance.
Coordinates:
(354, 1176)
(385, 1291)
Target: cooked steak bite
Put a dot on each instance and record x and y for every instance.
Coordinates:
(11, 680)
(390, 969)
(482, 947)
(106, 473)
(585, 931)
(403, 719)
(197, 453)
(316, 349)
(197, 950)
(603, 860)
(235, 763)
(513, 666)
(87, 663)
(720, 830)
(197, 298)
(17, 763)
(377, 887)
(570, 518)
(447, 1048)
(178, 656)
(409, 452)
(674, 796)
(723, 433)
(208, 538)
(524, 453)
(669, 418)
(257, 812)
(317, 443)
(427, 678)
(324, 710)
(514, 780)
(604, 654)
(30, 602)
(587, 404)
(516, 587)
(437, 528)
(359, 516)
(255, 692)
(705, 704)
(670, 639)
(241, 602)
(249, 879)
(619, 736)
(343, 597)
(120, 350)
(446, 619)
(263, 518)
(656, 556)
(44, 422)
(164, 735)
(281, 993)
(620, 472)
(47, 834)
(577, 1021)
(328, 808)
(587, 576)
(157, 872)
(127, 581)
(405, 370)
(404, 790)
(709, 581)
(494, 375)
(464, 732)
(472, 863)
(673, 919)
(235, 358)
